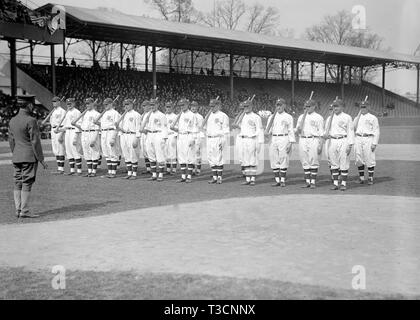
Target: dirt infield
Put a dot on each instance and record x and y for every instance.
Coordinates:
(260, 237)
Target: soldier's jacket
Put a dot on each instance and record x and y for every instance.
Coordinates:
(24, 138)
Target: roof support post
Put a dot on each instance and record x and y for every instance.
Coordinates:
(93, 52)
(64, 50)
(418, 86)
(121, 55)
(192, 61)
(266, 67)
(297, 70)
(250, 67)
(52, 56)
(170, 60)
(212, 63)
(13, 71)
(383, 85)
(146, 58)
(292, 73)
(154, 71)
(31, 52)
(337, 80)
(231, 75)
(361, 74)
(282, 69)
(312, 72)
(325, 72)
(350, 70)
(342, 81)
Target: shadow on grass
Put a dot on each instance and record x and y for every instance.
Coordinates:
(82, 207)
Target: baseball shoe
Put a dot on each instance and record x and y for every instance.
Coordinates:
(159, 179)
(17, 214)
(112, 176)
(180, 180)
(87, 175)
(361, 181)
(343, 188)
(334, 187)
(370, 182)
(69, 174)
(212, 181)
(197, 173)
(188, 181)
(219, 181)
(252, 183)
(79, 174)
(246, 183)
(57, 173)
(152, 179)
(93, 175)
(133, 177)
(312, 186)
(28, 215)
(277, 184)
(282, 184)
(127, 177)
(308, 185)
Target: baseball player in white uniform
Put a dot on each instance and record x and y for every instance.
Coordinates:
(129, 127)
(280, 126)
(252, 139)
(143, 136)
(184, 125)
(238, 141)
(216, 125)
(340, 133)
(170, 148)
(327, 141)
(89, 136)
(72, 138)
(198, 137)
(310, 127)
(109, 142)
(157, 134)
(366, 127)
(57, 139)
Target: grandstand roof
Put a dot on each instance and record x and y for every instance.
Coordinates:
(115, 26)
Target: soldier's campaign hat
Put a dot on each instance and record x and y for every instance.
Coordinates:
(280, 101)
(108, 101)
(127, 102)
(89, 100)
(25, 99)
(310, 103)
(55, 99)
(70, 100)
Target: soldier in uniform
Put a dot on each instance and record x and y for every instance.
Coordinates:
(170, 148)
(109, 142)
(252, 139)
(280, 126)
(157, 132)
(129, 127)
(198, 137)
(25, 143)
(72, 138)
(89, 136)
(216, 125)
(57, 139)
(340, 133)
(184, 125)
(310, 127)
(366, 127)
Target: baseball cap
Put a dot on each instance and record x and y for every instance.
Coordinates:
(70, 100)
(56, 99)
(108, 101)
(89, 100)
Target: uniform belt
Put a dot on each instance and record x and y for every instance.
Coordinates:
(93, 130)
(57, 127)
(70, 128)
(308, 137)
(129, 132)
(169, 133)
(185, 132)
(213, 136)
(280, 135)
(342, 137)
(364, 135)
(109, 129)
(247, 137)
(155, 131)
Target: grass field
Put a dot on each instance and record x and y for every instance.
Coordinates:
(381, 232)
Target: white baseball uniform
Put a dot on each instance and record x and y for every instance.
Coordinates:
(186, 141)
(198, 136)
(72, 151)
(282, 134)
(130, 126)
(156, 137)
(217, 132)
(170, 148)
(367, 134)
(90, 133)
(109, 134)
(341, 135)
(57, 115)
(251, 135)
(309, 140)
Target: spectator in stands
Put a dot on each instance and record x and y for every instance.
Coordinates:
(73, 63)
(59, 61)
(116, 65)
(65, 63)
(222, 73)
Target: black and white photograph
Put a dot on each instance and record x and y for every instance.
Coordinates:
(185, 150)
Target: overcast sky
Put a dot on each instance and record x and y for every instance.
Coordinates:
(397, 21)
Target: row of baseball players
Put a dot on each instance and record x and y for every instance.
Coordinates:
(170, 139)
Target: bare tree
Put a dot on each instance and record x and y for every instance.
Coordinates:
(226, 14)
(337, 29)
(262, 20)
(175, 10)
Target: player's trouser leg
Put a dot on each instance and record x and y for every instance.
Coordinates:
(58, 149)
(215, 156)
(159, 151)
(249, 158)
(365, 157)
(239, 153)
(72, 153)
(198, 151)
(314, 159)
(304, 148)
(171, 152)
(105, 150)
(279, 158)
(143, 141)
